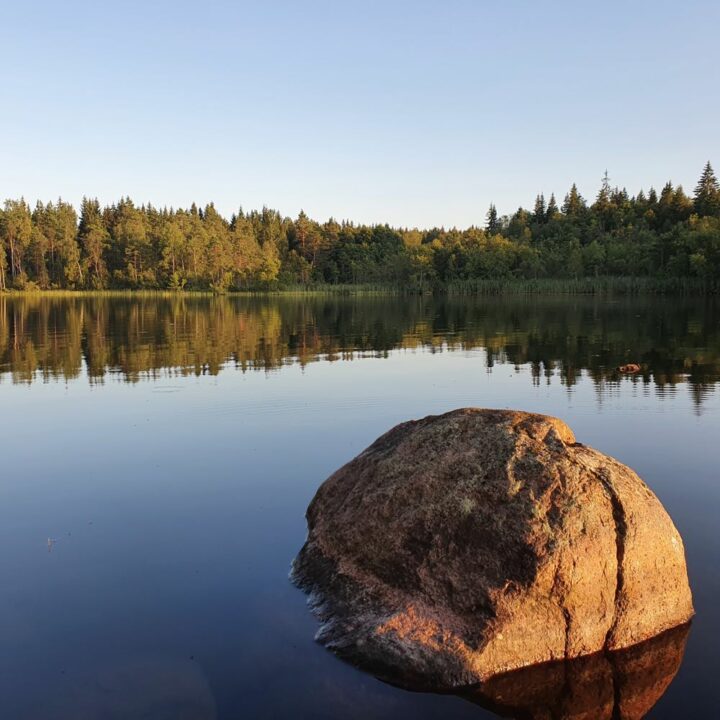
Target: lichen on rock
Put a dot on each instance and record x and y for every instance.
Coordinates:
(473, 543)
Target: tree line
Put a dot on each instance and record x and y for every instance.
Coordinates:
(664, 236)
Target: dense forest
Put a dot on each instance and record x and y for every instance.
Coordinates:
(666, 238)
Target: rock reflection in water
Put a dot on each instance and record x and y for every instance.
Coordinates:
(623, 685)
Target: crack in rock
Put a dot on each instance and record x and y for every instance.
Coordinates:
(620, 520)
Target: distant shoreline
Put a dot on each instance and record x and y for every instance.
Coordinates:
(601, 286)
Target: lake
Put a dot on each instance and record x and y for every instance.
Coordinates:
(158, 456)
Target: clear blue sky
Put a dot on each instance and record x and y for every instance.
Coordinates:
(415, 113)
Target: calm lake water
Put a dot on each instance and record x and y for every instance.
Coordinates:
(158, 456)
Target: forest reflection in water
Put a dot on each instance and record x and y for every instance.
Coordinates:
(674, 340)
(169, 447)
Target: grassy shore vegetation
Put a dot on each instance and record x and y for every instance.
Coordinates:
(665, 241)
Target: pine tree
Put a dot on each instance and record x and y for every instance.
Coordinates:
(3, 261)
(707, 193)
(94, 239)
(66, 228)
(37, 251)
(539, 211)
(16, 232)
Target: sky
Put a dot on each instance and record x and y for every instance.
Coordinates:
(412, 113)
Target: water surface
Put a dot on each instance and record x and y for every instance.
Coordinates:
(158, 456)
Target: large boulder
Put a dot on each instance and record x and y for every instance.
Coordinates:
(469, 544)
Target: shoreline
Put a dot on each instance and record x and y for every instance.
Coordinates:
(601, 286)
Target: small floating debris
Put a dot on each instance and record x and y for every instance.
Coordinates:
(629, 368)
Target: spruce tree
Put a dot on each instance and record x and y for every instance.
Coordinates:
(552, 208)
(574, 202)
(493, 224)
(603, 198)
(707, 193)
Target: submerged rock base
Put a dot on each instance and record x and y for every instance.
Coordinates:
(470, 544)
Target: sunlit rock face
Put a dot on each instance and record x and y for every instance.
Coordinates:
(477, 542)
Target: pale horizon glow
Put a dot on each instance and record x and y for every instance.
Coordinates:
(418, 114)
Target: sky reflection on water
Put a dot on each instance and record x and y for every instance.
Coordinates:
(174, 481)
